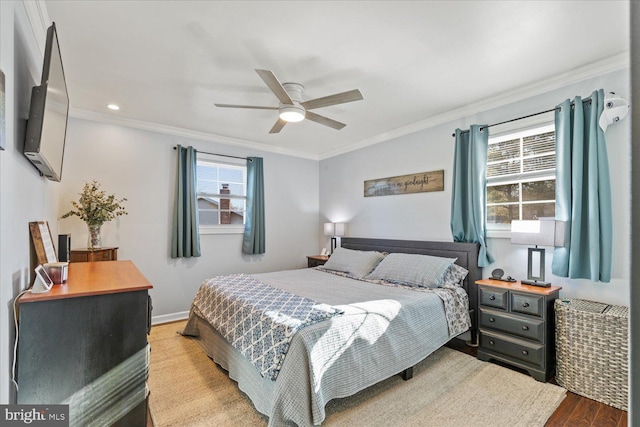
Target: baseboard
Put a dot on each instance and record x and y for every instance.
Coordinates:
(172, 317)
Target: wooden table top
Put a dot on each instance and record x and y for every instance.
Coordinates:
(94, 278)
(517, 286)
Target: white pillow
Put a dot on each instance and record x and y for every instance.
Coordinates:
(355, 263)
(412, 269)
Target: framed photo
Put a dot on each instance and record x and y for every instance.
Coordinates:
(42, 242)
(3, 138)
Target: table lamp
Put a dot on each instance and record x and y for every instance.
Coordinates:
(541, 232)
(334, 229)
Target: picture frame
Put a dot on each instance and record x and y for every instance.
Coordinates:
(421, 182)
(42, 242)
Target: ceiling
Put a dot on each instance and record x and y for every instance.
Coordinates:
(416, 62)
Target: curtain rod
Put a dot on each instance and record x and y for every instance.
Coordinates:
(222, 155)
(588, 99)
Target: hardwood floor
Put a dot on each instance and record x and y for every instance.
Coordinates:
(574, 410)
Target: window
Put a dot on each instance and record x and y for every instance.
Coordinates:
(221, 196)
(521, 176)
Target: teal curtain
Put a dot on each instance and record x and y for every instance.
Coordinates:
(254, 239)
(583, 191)
(469, 194)
(185, 241)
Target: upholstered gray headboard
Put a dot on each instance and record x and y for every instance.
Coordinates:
(466, 255)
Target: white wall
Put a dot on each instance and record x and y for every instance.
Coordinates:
(140, 165)
(24, 195)
(425, 216)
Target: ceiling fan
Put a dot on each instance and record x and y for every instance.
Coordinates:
(292, 108)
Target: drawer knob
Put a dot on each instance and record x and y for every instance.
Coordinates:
(525, 304)
(525, 352)
(491, 319)
(491, 342)
(492, 297)
(525, 328)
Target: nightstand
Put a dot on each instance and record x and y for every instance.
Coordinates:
(516, 325)
(316, 260)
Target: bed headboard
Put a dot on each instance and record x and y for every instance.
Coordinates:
(466, 254)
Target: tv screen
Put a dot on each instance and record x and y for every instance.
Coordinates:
(48, 113)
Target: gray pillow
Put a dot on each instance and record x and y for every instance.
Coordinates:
(412, 269)
(355, 263)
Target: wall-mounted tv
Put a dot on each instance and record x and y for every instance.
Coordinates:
(48, 113)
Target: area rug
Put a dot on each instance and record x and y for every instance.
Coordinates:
(449, 388)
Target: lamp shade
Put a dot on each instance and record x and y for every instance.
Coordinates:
(542, 232)
(340, 228)
(329, 229)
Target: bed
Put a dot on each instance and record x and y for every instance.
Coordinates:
(377, 330)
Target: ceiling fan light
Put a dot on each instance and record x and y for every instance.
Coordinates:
(292, 113)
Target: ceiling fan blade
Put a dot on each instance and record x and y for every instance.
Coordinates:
(278, 126)
(276, 87)
(338, 98)
(324, 120)
(255, 107)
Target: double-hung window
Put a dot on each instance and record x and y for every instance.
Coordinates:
(221, 196)
(521, 176)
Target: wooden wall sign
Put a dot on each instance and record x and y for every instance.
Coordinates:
(41, 237)
(415, 183)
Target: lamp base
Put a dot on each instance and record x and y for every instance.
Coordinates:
(536, 283)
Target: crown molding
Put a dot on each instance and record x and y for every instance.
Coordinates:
(185, 133)
(594, 69)
(39, 20)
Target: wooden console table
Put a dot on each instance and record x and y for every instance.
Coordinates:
(89, 255)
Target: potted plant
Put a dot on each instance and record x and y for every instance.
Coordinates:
(95, 208)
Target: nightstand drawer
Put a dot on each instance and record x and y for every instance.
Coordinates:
(518, 325)
(513, 347)
(493, 297)
(527, 303)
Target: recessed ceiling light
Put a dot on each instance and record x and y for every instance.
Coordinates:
(113, 107)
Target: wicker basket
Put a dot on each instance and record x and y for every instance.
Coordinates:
(592, 350)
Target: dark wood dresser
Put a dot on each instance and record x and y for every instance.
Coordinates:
(517, 325)
(89, 255)
(84, 343)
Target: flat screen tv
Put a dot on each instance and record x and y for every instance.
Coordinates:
(48, 113)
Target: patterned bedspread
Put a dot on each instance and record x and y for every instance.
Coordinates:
(257, 319)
